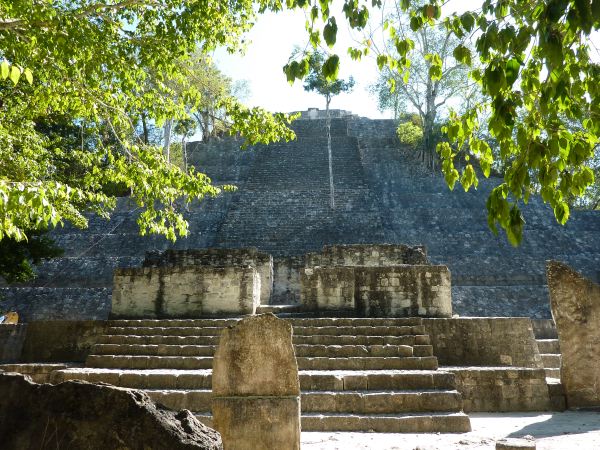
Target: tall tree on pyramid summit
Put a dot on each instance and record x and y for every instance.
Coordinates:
(322, 79)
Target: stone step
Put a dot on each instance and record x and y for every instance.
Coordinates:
(324, 339)
(332, 351)
(295, 321)
(388, 423)
(381, 423)
(351, 380)
(349, 351)
(158, 379)
(166, 331)
(552, 372)
(355, 321)
(359, 330)
(330, 330)
(123, 339)
(310, 380)
(169, 323)
(304, 363)
(352, 402)
(149, 362)
(419, 339)
(381, 402)
(551, 360)
(548, 345)
(154, 350)
(368, 363)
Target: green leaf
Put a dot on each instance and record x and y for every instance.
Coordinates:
(4, 69)
(15, 74)
(494, 79)
(330, 32)
(512, 71)
(468, 21)
(561, 212)
(416, 23)
(462, 54)
(331, 67)
(28, 76)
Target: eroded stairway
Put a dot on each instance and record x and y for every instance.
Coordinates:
(356, 374)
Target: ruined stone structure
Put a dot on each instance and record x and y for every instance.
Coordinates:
(375, 281)
(255, 388)
(281, 207)
(576, 310)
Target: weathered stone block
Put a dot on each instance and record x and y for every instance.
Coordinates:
(187, 292)
(515, 444)
(575, 303)
(253, 423)
(483, 341)
(256, 389)
(496, 389)
(219, 257)
(394, 291)
(320, 288)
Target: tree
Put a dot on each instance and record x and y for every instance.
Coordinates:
(90, 61)
(316, 81)
(17, 258)
(415, 90)
(533, 63)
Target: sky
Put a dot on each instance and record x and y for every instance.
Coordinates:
(272, 40)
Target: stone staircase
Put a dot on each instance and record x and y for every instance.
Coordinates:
(355, 374)
(547, 341)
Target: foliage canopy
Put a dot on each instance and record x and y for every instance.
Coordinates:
(102, 65)
(534, 64)
(89, 60)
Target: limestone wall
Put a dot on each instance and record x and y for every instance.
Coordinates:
(286, 280)
(374, 255)
(394, 291)
(219, 257)
(328, 288)
(185, 292)
(484, 341)
(11, 342)
(495, 389)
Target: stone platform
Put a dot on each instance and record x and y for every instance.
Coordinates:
(355, 374)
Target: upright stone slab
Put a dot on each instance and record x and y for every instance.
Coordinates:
(575, 303)
(256, 390)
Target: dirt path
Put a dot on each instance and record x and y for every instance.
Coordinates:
(570, 430)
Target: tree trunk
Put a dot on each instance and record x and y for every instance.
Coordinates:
(428, 127)
(184, 150)
(167, 139)
(331, 188)
(145, 129)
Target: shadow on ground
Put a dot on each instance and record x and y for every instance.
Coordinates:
(560, 423)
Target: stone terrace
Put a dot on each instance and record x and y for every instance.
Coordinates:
(355, 374)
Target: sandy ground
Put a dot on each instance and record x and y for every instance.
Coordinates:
(552, 431)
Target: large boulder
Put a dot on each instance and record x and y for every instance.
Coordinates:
(575, 303)
(79, 415)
